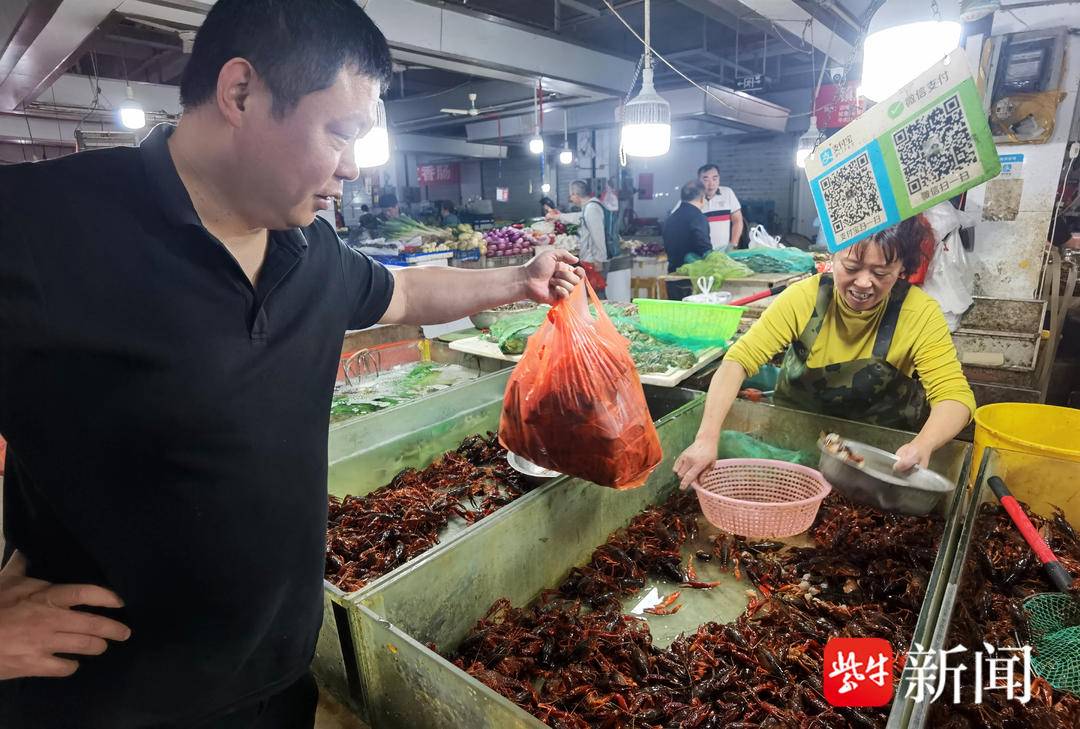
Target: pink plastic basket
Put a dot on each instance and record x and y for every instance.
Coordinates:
(761, 499)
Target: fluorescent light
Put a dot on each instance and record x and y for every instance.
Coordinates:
(904, 41)
(646, 127)
(646, 140)
(646, 119)
(373, 149)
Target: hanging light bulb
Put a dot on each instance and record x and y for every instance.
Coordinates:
(536, 144)
(646, 119)
(565, 156)
(905, 39)
(545, 188)
(373, 149)
(132, 115)
(807, 142)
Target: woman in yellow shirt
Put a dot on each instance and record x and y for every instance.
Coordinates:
(854, 342)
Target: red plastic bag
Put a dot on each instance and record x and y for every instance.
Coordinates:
(574, 403)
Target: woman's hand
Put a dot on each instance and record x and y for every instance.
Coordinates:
(911, 455)
(694, 461)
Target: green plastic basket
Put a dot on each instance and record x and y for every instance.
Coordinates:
(689, 322)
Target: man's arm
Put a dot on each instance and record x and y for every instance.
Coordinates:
(438, 295)
(737, 225)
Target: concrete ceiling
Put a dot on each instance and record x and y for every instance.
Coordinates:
(498, 49)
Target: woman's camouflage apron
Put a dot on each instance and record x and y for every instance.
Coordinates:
(868, 390)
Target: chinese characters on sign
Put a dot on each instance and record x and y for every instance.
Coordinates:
(837, 106)
(858, 673)
(927, 90)
(947, 184)
(750, 83)
(1012, 165)
(438, 174)
(995, 669)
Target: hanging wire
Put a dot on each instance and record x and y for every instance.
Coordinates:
(845, 74)
(59, 129)
(1053, 228)
(650, 51)
(95, 89)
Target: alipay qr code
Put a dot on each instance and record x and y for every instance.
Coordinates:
(936, 151)
(852, 197)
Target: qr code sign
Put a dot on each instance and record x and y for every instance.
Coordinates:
(852, 197)
(936, 151)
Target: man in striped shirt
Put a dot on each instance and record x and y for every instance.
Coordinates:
(722, 210)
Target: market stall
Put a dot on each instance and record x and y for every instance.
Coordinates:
(366, 455)
(413, 651)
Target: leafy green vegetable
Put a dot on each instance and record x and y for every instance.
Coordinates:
(779, 260)
(650, 355)
(718, 265)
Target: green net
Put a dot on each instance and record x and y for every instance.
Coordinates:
(734, 444)
(718, 265)
(775, 260)
(1054, 624)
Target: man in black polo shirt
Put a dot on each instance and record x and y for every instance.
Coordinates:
(170, 325)
(686, 231)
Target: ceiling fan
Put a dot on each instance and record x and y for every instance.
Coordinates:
(471, 111)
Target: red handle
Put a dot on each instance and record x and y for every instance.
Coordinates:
(758, 296)
(1027, 529)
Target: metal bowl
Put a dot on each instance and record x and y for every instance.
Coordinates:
(530, 470)
(873, 481)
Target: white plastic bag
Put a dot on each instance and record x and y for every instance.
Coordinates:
(950, 279)
(707, 295)
(760, 238)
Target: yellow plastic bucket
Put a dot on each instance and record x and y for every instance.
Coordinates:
(1038, 449)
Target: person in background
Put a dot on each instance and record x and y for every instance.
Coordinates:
(448, 214)
(686, 232)
(722, 210)
(547, 205)
(368, 221)
(390, 207)
(862, 344)
(610, 197)
(590, 221)
(592, 238)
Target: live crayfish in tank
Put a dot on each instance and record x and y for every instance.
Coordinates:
(575, 659)
(1002, 572)
(368, 536)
